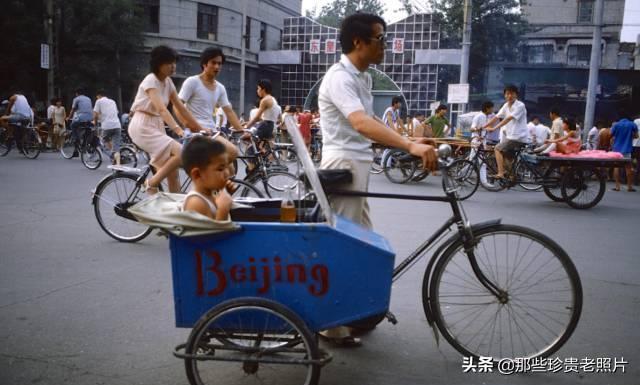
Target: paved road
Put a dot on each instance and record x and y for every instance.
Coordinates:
(79, 308)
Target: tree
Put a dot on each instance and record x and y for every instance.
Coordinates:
(497, 26)
(21, 25)
(333, 14)
(94, 37)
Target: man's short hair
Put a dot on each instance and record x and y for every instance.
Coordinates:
(199, 152)
(535, 118)
(623, 113)
(555, 110)
(441, 107)
(358, 25)
(211, 53)
(511, 88)
(79, 91)
(265, 84)
(160, 55)
(396, 99)
(486, 105)
(101, 93)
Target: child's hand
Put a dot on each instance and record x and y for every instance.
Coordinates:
(223, 204)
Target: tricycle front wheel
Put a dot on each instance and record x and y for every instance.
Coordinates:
(266, 341)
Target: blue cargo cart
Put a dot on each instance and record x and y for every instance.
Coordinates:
(256, 296)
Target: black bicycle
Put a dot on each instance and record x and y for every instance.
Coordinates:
(117, 192)
(24, 136)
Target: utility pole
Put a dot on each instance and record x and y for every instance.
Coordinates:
(594, 66)
(243, 48)
(466, 46)
(48, 28)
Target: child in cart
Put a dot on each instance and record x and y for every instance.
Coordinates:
(570, 143)
(206, 162)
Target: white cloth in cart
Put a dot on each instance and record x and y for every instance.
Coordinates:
(164, 211)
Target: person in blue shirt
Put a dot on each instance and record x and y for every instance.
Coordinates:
(81, 114)
(623, 132)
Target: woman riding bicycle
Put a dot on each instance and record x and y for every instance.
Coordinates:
(150, 114)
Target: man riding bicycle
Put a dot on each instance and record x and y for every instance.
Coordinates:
(83, 111)
(18, 111)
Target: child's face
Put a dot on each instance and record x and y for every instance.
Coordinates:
(216, 174)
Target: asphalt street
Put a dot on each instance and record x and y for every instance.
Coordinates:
(77, 307)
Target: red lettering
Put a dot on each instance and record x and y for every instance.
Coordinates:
(320, 274)
(278, 269)
(222, 280)
(199, 277)
(252, 270)
(291, 270)
(238, 273)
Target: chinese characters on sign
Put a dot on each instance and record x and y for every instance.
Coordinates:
(398, 45)
(44, 56)
(549, 365)
(330, 46)
(314, 46)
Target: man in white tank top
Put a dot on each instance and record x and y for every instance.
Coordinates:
(18, 110)
(268, 111)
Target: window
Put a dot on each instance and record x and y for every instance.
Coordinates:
(263, 36)
(207, 22)
(585, 11)
(247, 34)
(538, 54)
(579, 55)
(149, 11)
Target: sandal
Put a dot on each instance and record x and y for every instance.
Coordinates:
(150, 190)
(631, 189)
(615, 189)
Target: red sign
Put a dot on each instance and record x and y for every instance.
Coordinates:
(212, 276)
(330, 46)
(398, 45)
(314, 46)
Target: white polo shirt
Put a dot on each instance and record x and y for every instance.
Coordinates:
(344, 90)
(108, 113)
(516, 129)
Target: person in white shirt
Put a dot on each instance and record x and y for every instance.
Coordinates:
(514, 118)
(478, 133)
(105, 111)
(18, 110)
(592, 136)
(417, 125)
(391, 116)
(50, 112)
(538, 132)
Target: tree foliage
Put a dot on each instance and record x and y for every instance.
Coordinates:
(91, 37)
(332, 14)
(497, 26)
(95, 37)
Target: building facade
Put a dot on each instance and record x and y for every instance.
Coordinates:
(410, 64)
(190, 26)
(553, 69)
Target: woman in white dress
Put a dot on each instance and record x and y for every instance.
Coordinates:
(150, 114)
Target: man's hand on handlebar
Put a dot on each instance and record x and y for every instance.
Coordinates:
(425, 152)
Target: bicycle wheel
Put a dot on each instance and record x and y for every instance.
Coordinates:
(5, 142)
(582, 189)
(551, 186)
(527, 177)
(542, 303)
(128, 157)
(270, 345)
(277, 181)
(114, 195)
(245, 190)
(288, 159)
(463, 175)
(31, 143)
(488, 182)
(68, 146)
(398, 166)
(91, 157)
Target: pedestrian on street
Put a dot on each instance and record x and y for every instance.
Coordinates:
(624, 131)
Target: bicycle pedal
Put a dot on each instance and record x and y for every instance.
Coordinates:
(391, 318)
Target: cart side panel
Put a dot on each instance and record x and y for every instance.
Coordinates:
(328, 276)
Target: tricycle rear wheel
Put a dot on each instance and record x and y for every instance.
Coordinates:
(269, 343)
(582, 189)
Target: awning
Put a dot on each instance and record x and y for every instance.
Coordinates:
(539, 42)
(582, 42)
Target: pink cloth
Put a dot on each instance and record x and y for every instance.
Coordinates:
(593, 154)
